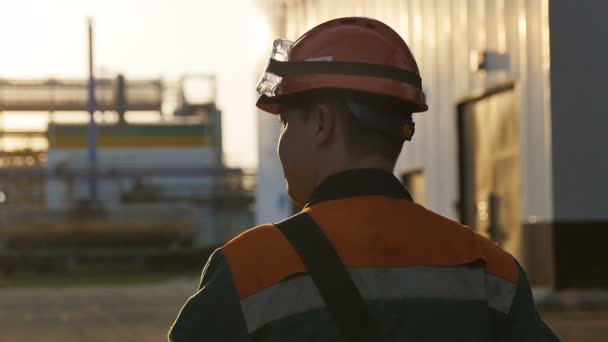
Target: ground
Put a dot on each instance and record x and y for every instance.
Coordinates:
(143, 311)
(580, 325)
(92, 313)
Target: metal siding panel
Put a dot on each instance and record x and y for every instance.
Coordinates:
(460, 68)
(494, 25)
(491, 27)
(546, 212)
(309, 14)
(537, 160)
(404, 20)
(476, 32)
(535, 174)
(394, 14)
(501, 38)
(432, 140)
(531, 114)
(291, 21)
(379, 11)
(522, 77)
(512, 37)
(448, 179)
(324, 11)
(460, 82)
(501, 30)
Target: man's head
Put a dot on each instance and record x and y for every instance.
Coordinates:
(323, 134)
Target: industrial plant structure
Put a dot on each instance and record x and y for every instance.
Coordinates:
(161, 186)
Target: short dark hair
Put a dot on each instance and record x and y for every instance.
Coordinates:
(362, 139)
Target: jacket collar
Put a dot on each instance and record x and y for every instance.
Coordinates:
(359, 182)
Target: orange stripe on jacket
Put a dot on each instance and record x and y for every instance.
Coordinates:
(378, 231)
(371, 231)
(259, 258)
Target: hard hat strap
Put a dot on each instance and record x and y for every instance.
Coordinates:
(395, 124)
(331, 278)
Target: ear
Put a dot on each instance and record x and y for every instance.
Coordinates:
(324, 120)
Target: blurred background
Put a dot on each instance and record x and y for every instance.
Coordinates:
(105, 224)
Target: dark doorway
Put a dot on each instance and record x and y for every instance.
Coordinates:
(490, 166)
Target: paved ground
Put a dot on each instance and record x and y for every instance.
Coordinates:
(144, 313)
(578, 325)
(93, 314)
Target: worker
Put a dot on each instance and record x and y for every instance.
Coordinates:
(361, 261)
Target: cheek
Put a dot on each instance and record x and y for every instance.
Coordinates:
(281, 146)
(289, 151)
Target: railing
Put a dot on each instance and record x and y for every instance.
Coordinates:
(72, 95)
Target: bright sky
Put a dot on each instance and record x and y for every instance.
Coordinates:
(142, 39)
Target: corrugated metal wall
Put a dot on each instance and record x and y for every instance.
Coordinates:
(444, 35)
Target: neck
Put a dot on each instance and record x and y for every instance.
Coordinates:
(364, 163)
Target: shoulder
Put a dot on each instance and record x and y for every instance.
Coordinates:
(251, 239)
(499, 262)
(503, 274)
(259, 258)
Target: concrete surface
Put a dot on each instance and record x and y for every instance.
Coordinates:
(144, 313)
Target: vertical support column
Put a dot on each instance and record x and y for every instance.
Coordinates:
(120, 98)
(92, 125)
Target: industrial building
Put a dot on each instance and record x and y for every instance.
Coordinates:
(158, 182)
(513, 142)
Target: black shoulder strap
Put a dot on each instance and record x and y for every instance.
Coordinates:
(330, 276)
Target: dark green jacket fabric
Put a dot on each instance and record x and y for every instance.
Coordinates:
(424, 277)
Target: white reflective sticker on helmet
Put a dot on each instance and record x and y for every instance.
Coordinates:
(320, 59)
(269, 82)
(281, 49)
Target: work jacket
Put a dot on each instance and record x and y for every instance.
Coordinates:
(423, 277)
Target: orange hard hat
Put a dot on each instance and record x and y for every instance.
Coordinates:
(354, 54)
